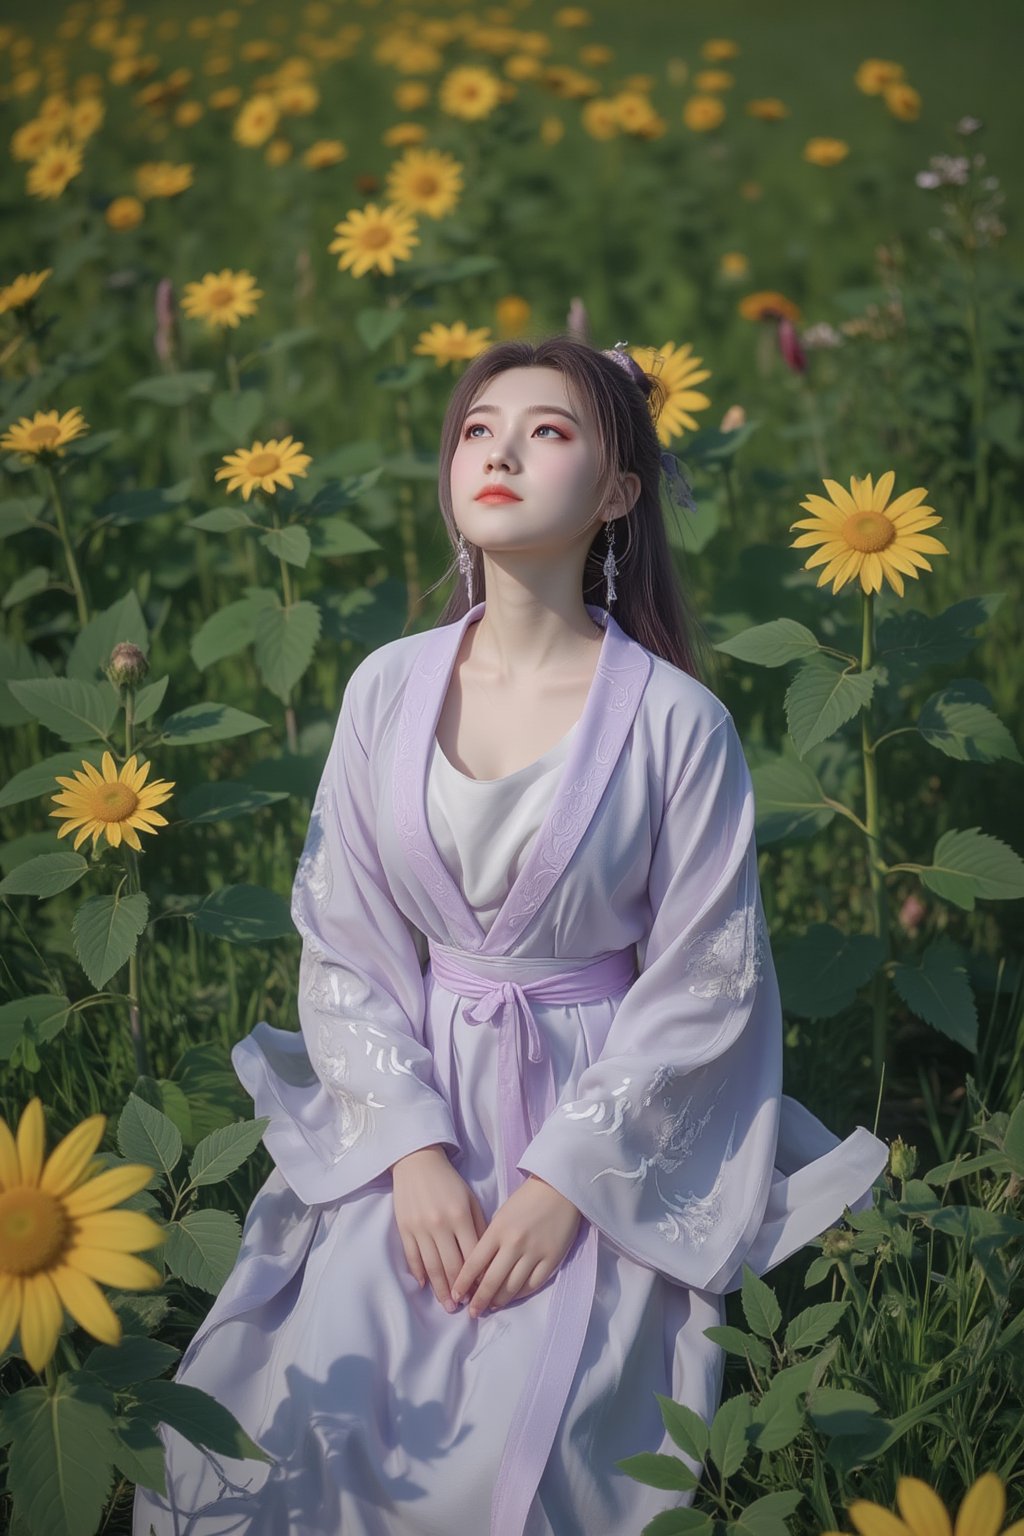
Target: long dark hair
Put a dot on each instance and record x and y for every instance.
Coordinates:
(651, 604)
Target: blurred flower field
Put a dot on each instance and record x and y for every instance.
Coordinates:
(245, 254)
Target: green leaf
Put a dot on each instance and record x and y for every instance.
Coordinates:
(18, 513)
(812, 1324)
(126, 508)
(172, 388)
(376, 326)
(106, 931)
(199, 1417)
(208, 722)
(72, 709)
(735, 1342)
(223, 520)
(822, 697)
(760, 1306)
(691, 531)
(139, 1454)
(33, 581)
(202, 1247)
(290, 544)
(134, 1359)
(124, 620)
(61, 1454)
(772, 645)
(224, 800)
(244, 914)
(659, 1471)
(284, 645)
(146, 1135)
(44, 875)
(41, 1016)
(149, 698)
(776, 1421)
(729, 1444)
(41, 778)
(237, 413)
(790, 802)
(679, 1522)
(402, 376)
(1013, 1140)
(686, 1427)
(938, 990)
(821, 971)
(960, 722)
(284, 341)
(224, 1150)
(766, 1516)
(839, 1410)
(226, 632)
(337, 536)
(433, 275)
(970, 863)
(909, 641)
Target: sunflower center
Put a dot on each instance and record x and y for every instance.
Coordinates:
(222, 296)
(114, 802)
(46, 436)
(868, 531)
(426, 184)
(263, 463)
(34, 1229)
(378, 235)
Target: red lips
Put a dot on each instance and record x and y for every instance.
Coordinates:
(494, 489)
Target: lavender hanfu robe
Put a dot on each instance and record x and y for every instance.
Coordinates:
(611, 1024)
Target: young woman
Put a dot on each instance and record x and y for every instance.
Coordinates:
(532, 1126)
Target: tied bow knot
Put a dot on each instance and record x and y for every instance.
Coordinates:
(510, 998)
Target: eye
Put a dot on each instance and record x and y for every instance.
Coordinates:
(545, 426)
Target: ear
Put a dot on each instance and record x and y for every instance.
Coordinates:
(624, 499)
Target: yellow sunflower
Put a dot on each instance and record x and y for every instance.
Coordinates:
(123, 213)
(825, 151)
(111, 803)
(718, 48)
(452, 343)
(29, 141)
(402, 134)
(860, 536)
(256, 121)
(512, 312)
(679, 372)
(903, 101)
(222, 298)
(469, 92)
(768, 108)
(44, 433)
(873, 75)
(24, 288)
(374, 237)
(768, 304)
(161, 178)
(264, 466)
(924, 1514)
(702, 113)
(323, 154)
(57, 164)
(426, 181)
(59, 1235)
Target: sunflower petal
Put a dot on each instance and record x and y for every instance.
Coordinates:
(70, 1158)
(120, 1231)
(922, 1508)
(10, 1165)
(10, 1307)
(31, 1141)
(120, 1269)
(873, 1520)
(981, 1513)
(841, 496)
(87, 1304)
(107, 1188)
(882, 489)
(41, 1318)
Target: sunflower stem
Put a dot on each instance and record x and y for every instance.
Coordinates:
(406, 510)
(980, 498)
(50, 1376)
(291, 724)
(69, 553)
(231, 363)
(876, 865)
(135, 1026)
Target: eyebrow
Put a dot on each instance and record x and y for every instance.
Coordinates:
(531, 410)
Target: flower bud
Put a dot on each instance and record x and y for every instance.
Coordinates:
(902, 1159)
(836, 1242)
(127, 666)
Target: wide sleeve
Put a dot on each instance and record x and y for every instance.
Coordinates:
(670, 1142)
(354, 1090)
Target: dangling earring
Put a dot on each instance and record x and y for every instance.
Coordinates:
(611, 570)
(466, 566)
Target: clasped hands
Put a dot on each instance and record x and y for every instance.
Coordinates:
(447, 1238)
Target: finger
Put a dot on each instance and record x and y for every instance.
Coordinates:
(467, 1239)
(515, 1284)
(451, 1258)
(412, 1258)
(434, 1268)
(477, 1262)
(491, 1283)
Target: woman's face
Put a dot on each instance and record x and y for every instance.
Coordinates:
(525, 432)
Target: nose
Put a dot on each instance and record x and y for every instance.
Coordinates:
(500, 455)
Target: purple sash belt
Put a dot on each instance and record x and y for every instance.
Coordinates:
(505, 1003)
